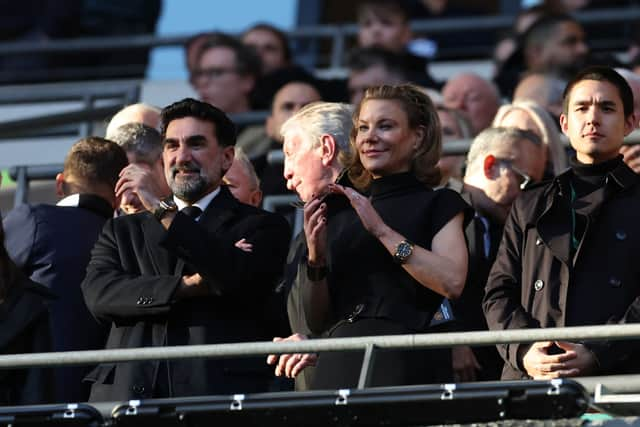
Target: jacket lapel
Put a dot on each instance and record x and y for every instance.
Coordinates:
(554, 225)
(219, 211)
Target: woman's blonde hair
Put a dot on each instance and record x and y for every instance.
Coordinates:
(557, 155)
(420, 112)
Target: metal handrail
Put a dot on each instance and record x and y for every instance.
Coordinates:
(410, 341)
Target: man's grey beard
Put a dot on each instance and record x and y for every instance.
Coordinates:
(189, 189)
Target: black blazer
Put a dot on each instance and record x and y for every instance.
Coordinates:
(52, 245)
(135, 269)
(25, 329)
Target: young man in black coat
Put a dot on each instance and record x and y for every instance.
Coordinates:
(173, 275)
(567, 257)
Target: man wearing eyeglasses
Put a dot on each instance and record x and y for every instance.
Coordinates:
(225, 73)
(501, 162)
(567, 256)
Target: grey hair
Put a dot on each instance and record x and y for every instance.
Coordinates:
(491, 140)
(320, 118)
(550, 134)
(241, 157)
(144, 142)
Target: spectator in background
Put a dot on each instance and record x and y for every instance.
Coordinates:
(543, 89)
(631, 153)
(372, 67)
(225, 73)
(25, 329)
(477, 98)
(555, 44)
(143, 146)
(135, 113)
(287, 101)
(271, 44)
(384, 24)
(499, 163)
(52, 244)
(527, 115)
(242, 180)
(454, 127)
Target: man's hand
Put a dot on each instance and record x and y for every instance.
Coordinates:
(291, 365)
(464, 364)
(631, 155)
(192, 286)
(243, 245)
(315, 231)
(140, 180)
(574, 360)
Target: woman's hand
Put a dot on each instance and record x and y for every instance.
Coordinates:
(315, 231)
(363, 207)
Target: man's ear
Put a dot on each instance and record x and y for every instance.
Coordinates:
(564, 124)
(228, 153)
(488, 165)
(329, 152)
(629, 123)
(256, 198)
(60, 185)
(419, 137)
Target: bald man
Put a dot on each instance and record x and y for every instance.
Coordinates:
(476, 97)
(135, 113)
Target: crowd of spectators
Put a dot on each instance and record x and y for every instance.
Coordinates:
(159, 238)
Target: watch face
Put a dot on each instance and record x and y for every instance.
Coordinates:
(404, 250)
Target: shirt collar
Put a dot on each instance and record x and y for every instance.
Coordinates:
(202, 203)
(71, 201)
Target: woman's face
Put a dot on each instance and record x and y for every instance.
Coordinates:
(384, 141)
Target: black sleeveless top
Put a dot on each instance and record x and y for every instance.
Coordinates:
(363, 279)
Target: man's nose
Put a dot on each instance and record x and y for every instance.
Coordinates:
(183, 154)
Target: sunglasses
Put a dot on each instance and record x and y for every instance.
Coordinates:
(525, 179)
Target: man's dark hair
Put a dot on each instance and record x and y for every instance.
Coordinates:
(140, 140)
(601, 74)
(225, 130)
(543, 28)
(280, 35)
(361, 59)
(382, 8)
(94, 160)
(247, 60)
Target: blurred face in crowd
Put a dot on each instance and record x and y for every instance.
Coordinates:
(241, 185)
(287, 101)
(450, 166)
(194, 161)
(475, 97)
(595, 121)
(386, 30)
(219, 82)
(303, 167)
(384, 140)
(566, 51)
(268, 47)
(360, 80)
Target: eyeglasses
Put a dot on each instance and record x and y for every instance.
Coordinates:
(525, 179)
(210, 73)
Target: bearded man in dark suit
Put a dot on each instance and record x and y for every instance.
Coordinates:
(174, 275)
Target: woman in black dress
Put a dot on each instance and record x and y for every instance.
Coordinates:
(383, 267)
(24, 328)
